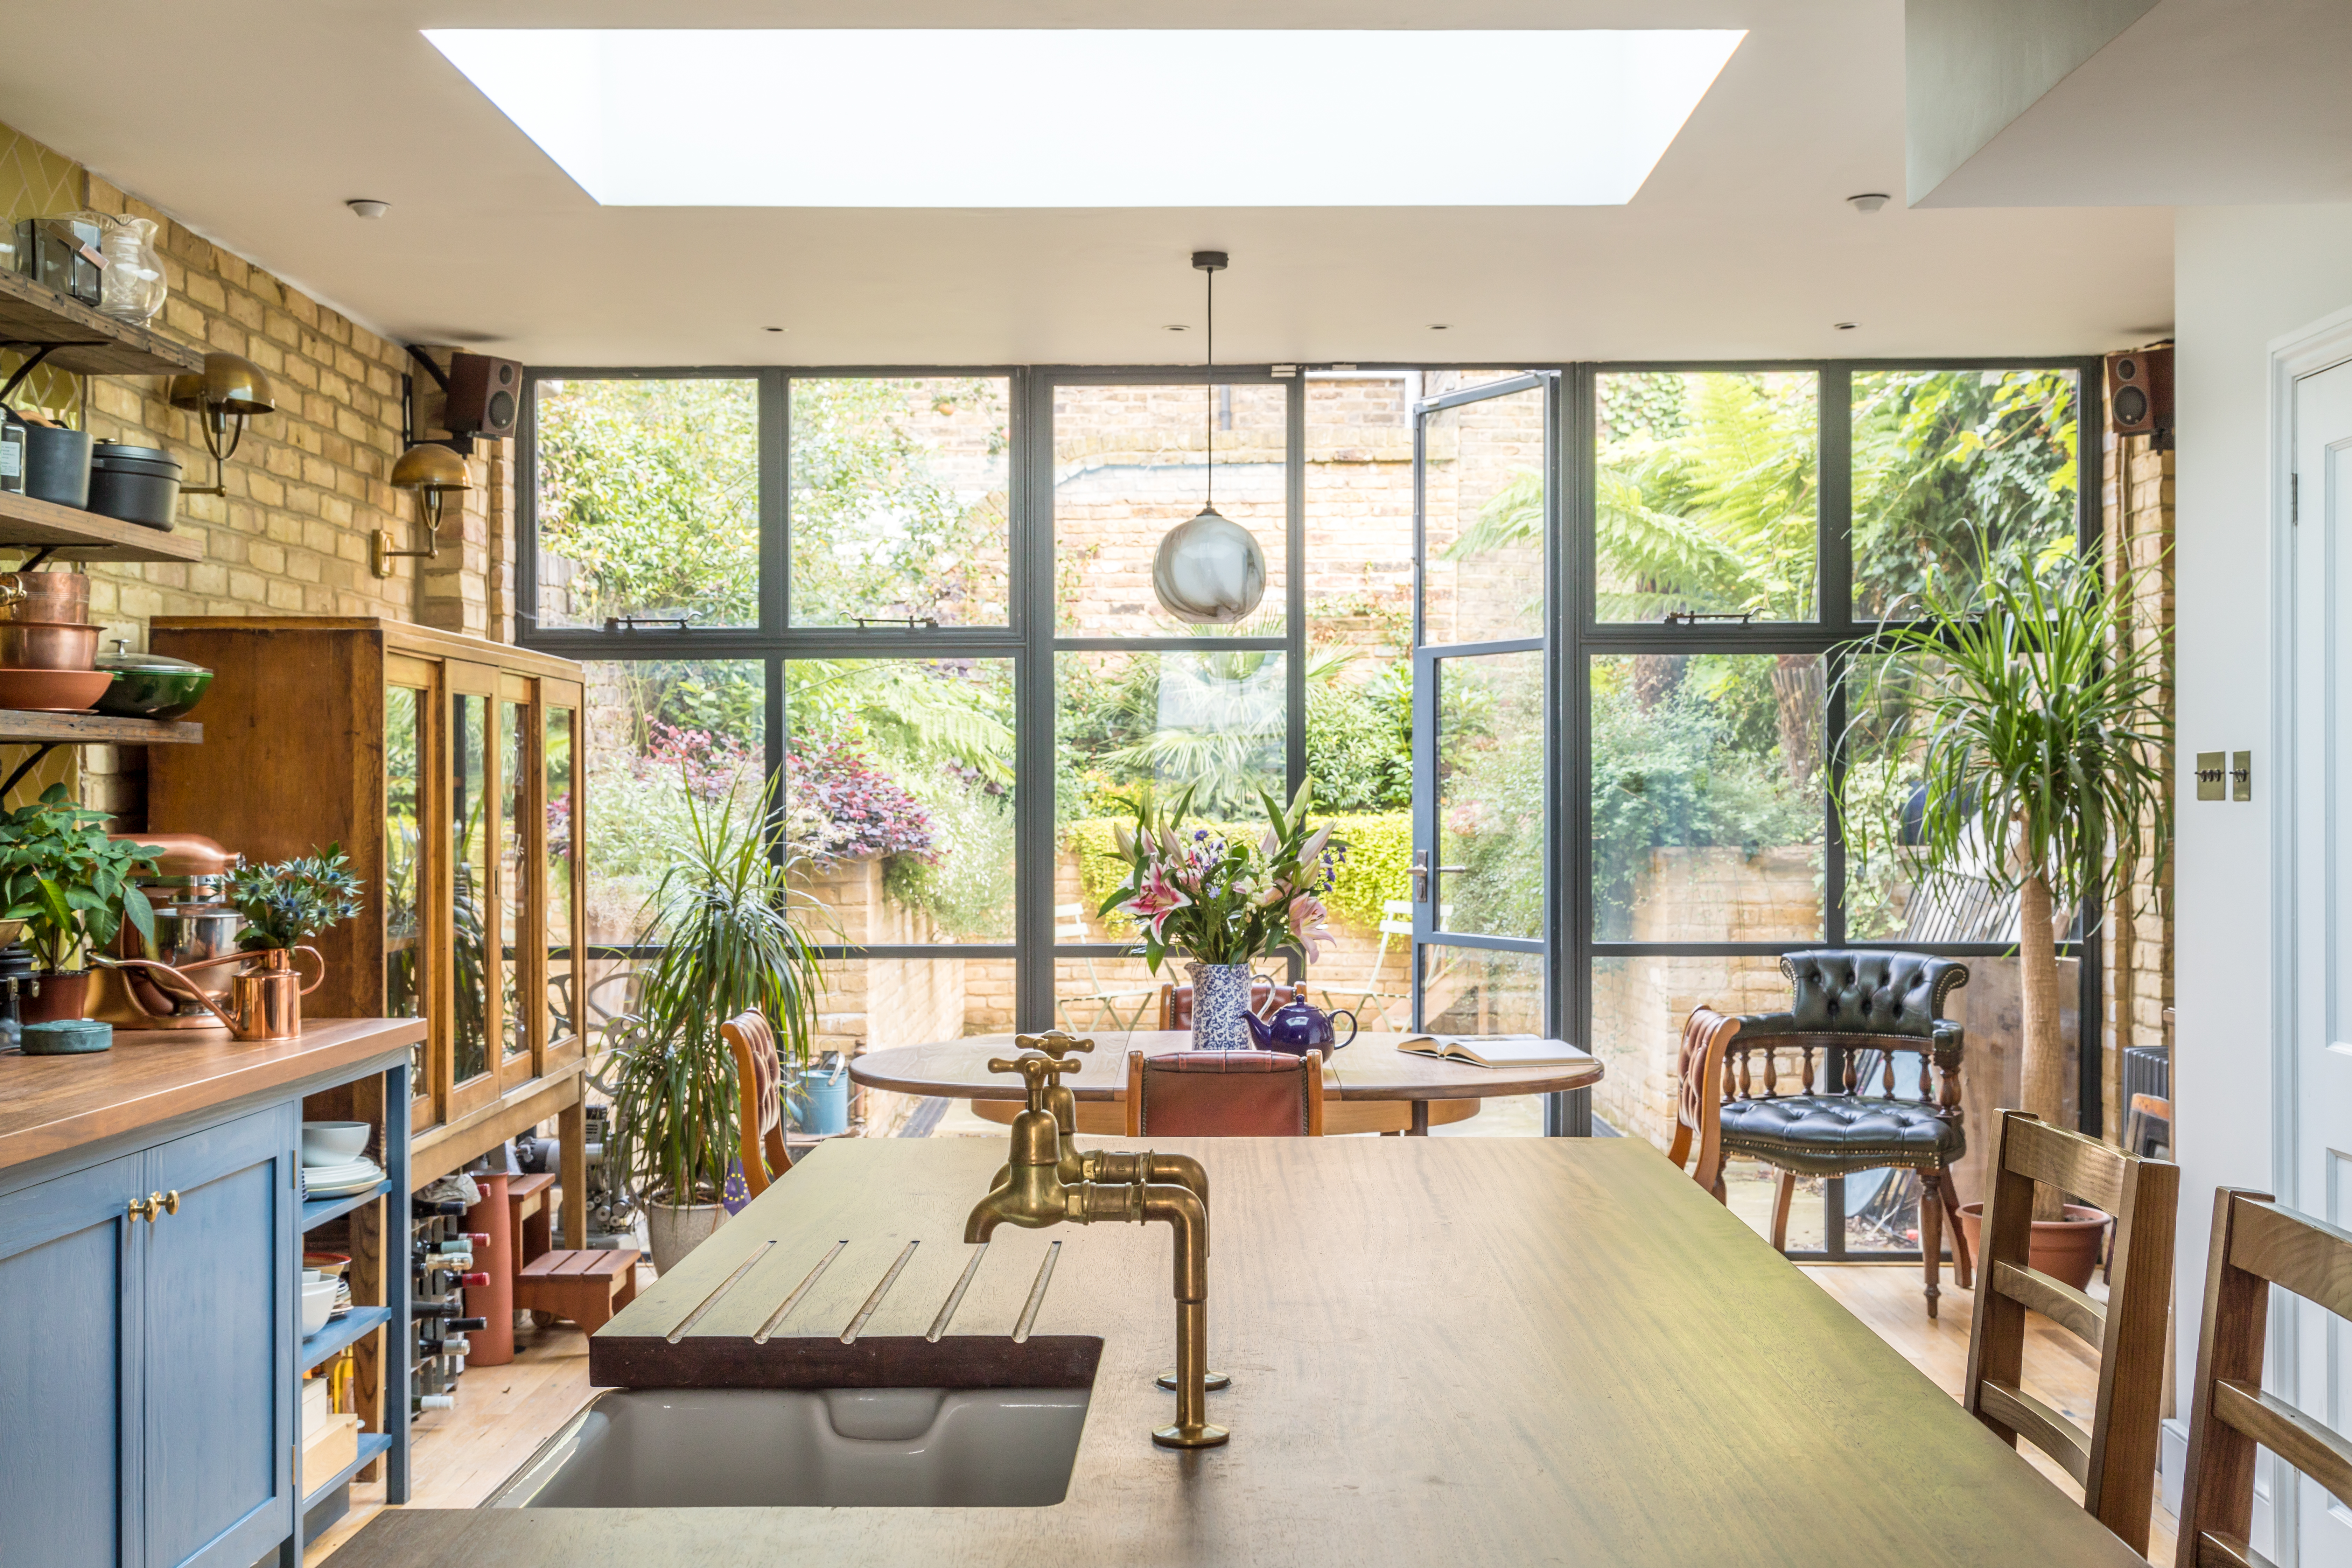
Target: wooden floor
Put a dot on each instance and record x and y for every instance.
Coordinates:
(504, 1413)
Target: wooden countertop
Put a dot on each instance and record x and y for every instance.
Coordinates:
(49, 1104)
(1369, 1068)
(1450, 1351)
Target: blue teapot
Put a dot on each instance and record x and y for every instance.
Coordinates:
(1299, 1028)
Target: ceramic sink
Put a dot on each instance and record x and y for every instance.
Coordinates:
(790, 1448)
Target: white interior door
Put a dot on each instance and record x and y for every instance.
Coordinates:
(2321, 760)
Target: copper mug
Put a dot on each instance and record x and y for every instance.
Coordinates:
(265, 1003)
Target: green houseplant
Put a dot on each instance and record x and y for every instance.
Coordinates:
(70, 886)
(289, 901)
(728, 929)
(2038, 724)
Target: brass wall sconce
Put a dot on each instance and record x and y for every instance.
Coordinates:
(223, 395)
(434, 472)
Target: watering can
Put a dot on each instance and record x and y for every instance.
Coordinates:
(264, 1001)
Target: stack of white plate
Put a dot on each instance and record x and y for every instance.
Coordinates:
(334, 1163)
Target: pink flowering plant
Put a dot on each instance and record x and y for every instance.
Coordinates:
(1227, 899)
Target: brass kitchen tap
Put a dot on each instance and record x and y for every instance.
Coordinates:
(1034, 1196)
(1057, 1099)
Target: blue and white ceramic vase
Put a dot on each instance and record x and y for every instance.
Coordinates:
(1221, 994)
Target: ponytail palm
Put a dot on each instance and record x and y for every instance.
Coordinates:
(2039, 726)
(728, 927)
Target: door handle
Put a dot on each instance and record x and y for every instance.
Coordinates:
(1421, 875)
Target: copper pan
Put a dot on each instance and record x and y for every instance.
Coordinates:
(47, 645)
(45, 597)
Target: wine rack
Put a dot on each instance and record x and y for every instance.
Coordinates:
(441, 1259)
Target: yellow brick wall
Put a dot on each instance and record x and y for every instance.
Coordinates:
(307, 487)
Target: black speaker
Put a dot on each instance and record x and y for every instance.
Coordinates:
(485, 396)
(2140, 393)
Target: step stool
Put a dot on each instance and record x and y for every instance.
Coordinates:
(587, 1286)
(531, 1209)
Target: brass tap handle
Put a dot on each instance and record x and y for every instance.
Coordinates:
(1055, 1043)
(1035, 1071)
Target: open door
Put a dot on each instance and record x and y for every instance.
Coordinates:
(1482, 791)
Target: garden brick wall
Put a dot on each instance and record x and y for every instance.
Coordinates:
(309, 484)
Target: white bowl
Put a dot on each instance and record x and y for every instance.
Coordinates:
(334, 1142)
(318, 1301)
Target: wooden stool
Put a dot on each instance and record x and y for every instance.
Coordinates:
(586, 1286)
(530, 1213)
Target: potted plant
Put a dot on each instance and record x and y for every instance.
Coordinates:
(70, 886)
(2038, 730)
(288, 900)
(726, 925)
(1224, 901)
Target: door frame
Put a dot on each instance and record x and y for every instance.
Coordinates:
(2320, 346)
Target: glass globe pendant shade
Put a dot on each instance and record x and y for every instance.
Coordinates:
(1209, 571)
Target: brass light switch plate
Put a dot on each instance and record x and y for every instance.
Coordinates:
(2212, 775)
(2241, 776)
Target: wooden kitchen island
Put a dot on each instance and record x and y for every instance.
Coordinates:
(1443, 1352)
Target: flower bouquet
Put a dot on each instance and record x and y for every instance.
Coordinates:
(1225, 901)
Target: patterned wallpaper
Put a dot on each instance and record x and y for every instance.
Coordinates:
(36, 183)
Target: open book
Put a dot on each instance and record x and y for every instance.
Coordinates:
(1493, 1050)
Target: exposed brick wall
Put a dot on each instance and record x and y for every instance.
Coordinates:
(310, 483)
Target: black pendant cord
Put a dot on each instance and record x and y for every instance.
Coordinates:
(1210, 400)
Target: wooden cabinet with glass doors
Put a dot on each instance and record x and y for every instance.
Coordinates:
(449, 770)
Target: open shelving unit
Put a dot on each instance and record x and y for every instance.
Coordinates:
(35, 317)
(69, 533)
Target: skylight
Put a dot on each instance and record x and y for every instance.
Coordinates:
(1008, 118)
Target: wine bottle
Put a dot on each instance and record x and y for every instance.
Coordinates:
(434, 1208)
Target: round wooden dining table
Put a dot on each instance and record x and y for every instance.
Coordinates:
(1370, 1086)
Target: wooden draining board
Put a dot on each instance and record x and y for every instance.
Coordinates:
(1444, 1351)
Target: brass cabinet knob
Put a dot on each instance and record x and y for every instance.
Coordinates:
(171, 1201)
(145, 1208)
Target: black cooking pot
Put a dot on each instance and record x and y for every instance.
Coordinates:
(136, 484)
(56, 464)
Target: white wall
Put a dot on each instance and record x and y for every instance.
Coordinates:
(2243, 277)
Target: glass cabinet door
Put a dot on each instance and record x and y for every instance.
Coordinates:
(406, 945)
(473, 1013)
(514, 892)
(559, 815)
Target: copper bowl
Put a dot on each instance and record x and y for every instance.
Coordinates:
(53, 691)
(49, 645)
(58, 596)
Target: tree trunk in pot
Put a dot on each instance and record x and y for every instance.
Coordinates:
(2043, 1089)
(675, 1230)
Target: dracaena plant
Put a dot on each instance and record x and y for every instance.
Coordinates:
(68, 882)
(2037, 728)
(288, 900)
(1225, 899)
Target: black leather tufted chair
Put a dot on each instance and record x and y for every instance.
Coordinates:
(1847, 1008)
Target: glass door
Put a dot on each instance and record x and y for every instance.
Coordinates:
(1483, 789)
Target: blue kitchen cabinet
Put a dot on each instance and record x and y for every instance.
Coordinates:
(146, 1413)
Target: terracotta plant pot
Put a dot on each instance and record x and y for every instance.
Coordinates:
(673, 1231)
(62, 995)
(2066, 1249)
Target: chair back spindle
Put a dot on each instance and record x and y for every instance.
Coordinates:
(2115, 1461)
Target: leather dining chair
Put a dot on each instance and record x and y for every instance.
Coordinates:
(2115, 1461)
(760, 1098)
(2256, 1244)
(1697, 1071)
(1224, 1094)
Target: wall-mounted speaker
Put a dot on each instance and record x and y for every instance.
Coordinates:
(2140, 393)
(485, 396)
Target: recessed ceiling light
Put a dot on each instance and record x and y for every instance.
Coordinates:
(368, 207)
(1847, 326)
(665, 117)
(1868, 202)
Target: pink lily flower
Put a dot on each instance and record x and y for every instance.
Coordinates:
(1157, 898)
(1307, 917)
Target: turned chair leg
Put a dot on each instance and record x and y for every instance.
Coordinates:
(1931, 1235)
(1964, 1265)
(1780, 1210)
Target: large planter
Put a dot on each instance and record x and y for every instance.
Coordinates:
(676, 1230)
(2066, 1249)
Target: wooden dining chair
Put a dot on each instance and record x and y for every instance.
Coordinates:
(2256, 1244)
(1224, 1094)
(2115, 1461)
(1265, 995)
(760, 1098)
(1698, 1069)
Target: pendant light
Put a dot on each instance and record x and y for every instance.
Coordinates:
(1209, 571)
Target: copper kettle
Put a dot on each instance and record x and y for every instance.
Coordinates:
(265, 1003)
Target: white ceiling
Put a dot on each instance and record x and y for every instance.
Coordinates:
(253, 121)
(2198, 104)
